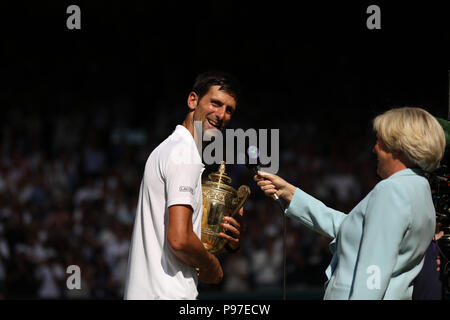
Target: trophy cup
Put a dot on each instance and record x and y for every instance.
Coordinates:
(219, 200)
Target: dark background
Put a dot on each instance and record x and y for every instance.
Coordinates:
(96, 101)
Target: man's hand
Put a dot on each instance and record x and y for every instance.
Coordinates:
(233, 229)
(213, 274)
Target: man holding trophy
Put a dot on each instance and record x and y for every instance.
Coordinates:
(166, 256)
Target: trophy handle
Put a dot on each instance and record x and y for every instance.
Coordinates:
(242, 195)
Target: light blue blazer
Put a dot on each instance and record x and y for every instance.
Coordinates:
(379, 247)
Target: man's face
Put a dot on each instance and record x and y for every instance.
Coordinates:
(214, 109)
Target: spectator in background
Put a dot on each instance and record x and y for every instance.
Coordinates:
(237, 271)
(267, 262)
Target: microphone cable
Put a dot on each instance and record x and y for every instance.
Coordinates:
(254, 169)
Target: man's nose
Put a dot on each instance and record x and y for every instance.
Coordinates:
(220, 113)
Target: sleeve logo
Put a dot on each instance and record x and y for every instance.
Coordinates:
(186, 189)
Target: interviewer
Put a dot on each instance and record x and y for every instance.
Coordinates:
(378, 248)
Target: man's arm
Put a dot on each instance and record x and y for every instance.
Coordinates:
(187, 246)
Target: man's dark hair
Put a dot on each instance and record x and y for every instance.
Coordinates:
(226, 81)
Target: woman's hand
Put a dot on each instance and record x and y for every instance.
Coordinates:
(272, 184)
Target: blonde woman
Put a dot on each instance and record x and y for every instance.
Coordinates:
(378, 248)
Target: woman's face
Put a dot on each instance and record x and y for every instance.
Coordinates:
(385, 159)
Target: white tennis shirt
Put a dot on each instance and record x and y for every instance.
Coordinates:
(172, 176)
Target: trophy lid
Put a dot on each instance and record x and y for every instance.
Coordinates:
(220, 176)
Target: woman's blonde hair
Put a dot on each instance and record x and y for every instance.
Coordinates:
(414, 132)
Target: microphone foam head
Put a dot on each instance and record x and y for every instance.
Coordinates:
(253, 152)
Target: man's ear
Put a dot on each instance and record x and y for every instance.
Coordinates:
(192, 101)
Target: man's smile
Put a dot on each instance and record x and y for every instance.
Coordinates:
(214, 124)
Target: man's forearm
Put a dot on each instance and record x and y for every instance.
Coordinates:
(188, 248)
(191, 252)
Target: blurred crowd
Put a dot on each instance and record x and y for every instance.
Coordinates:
(69, 182)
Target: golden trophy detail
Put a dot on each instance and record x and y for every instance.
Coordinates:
(220, 199)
